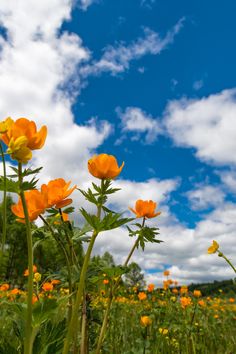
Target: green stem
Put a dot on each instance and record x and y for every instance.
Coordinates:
(28, 330)
(220, 254)
(74, 319)
(109, 304)
(4, 204)
(68, 265)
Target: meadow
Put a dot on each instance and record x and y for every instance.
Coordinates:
(56, 298)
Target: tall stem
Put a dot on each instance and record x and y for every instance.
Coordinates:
(220, 254)
(4, 204)
(74, 319)
(61, 246)
(28, 330)
(111, 297)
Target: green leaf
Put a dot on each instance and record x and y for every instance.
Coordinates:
(43, 310)
(11, 186)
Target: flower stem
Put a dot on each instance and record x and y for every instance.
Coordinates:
(111, 297)
(220, 254)
(4, 204)
(28, 347)
(74, 319)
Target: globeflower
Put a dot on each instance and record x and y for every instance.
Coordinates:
(145, 321)
(166, 273)
(142, 296)
(213, 248)
(26, 272)
(36, 205)
(185, 301)
(47, 286)
(151, 287)
(21, 137)
(104, 166)
(56, 193)
(197, 293)
(4, 287)
(145, 209)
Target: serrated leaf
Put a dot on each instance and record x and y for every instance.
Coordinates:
(11, 186)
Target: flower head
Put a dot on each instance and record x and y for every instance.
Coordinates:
(142, 296)
(36, 205)
(166, 273)
(104, 166)
(27, 128)
(26, 272)
(47, 286)
(151, 287)
(4, 287)
(145, 321)
(5, 125)
(197, 293)
(213, 248)
(56, 193)
(145, 209)
(185, 301)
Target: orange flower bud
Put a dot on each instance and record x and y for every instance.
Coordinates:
(145, 209)
(47, 287)
(104, 166)
(145, 321)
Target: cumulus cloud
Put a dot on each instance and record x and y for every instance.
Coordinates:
(229, 179)
(206, 124)
(84, 4)
(205, 196)
(136, 121)
(116, 59)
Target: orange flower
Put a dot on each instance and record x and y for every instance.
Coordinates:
(104, 166)
(47, 287)
(142, 296)
(56, 193)
(175, 291)
(232, 300)
(34, 299)
(24, 127)
(26, 272)
(105, 281)
(4, 287)
(166, 273)
(197, 293)
(145, 209)
(202, 303)
(55, 282)
(15, 291)
(36, 205)
(185, 301)
(151, 287)
(145, 321)
(213, 248)
(184, 289)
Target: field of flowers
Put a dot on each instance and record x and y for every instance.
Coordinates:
(84, 307)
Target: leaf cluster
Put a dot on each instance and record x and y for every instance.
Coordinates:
(145, 234)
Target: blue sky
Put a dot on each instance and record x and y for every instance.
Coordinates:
(151, 82)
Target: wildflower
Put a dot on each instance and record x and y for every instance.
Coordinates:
(173, 298)
(24, 127)
(216, 316)
(231, 300)
(145, 321)
(15, 291)
(36, 205)
(34, 299)
(47, 286)
(105, 281)
(197, 293)
(202, 303)
(175, 291)
(213, 248)
(142, 296)
(185, 301)
(5, 125)
(55, 282)
(37, 277)
(4, 287)
(145, 209)
(166, 273)
(163, 331)
(63, 216)
(150, 287)
(165, 284)
(56, 193)
(104, 166)
(18, 149)
(26, 272)
(184, 289)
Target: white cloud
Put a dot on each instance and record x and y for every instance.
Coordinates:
(135, 120)
(205, 196)
(229, 179)
(84, 4)
(207, 124)
(197, 85)
(116, 59)
(38, 72)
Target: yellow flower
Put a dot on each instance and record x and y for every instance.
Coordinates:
(104, 166)
(5, 125)
(163, 331)
(185, 301)
(213, 248)
(37, 277)
(142, 296)
(145, 321)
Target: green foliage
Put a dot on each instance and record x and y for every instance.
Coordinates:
(134, 276)
(145, 234)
